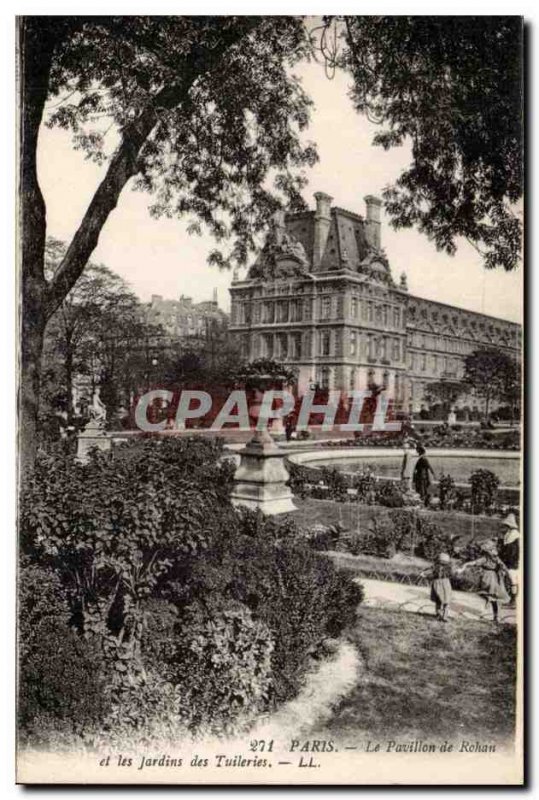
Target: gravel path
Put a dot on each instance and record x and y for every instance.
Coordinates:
(416, 599)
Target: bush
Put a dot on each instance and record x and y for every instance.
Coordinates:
(446, 492)
(390, 494)
(431, 540)
(403, 531)
(62, 688)
(366, 485)
(220, 664)
(285, 585)
(336, 481)
(378, 540)
(484, 490)
(155, 524)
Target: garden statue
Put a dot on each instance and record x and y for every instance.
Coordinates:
(94, 435)
(410, 496)
(407, 466)
(98, 410)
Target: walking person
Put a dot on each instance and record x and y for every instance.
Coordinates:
(492, 578)
(509, 552)
(440, 586)
(422, 473)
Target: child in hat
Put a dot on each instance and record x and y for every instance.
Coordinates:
(509, 552)
(440, 586)
(491, 581)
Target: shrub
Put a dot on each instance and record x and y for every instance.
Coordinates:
(446, 491)
(336, 481)
(219, 664)
(114, 529)
(390, 494)
(323, 537)
(155, 524)
(366, 485)
(379, 541)
(484, 490)
(431, 540)
(62, 688)
(285, 585)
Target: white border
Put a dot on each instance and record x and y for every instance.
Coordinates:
(7, 295)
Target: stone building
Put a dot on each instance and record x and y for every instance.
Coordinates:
(321, 297)
(183, 319)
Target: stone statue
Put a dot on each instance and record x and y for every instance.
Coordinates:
(282, 256)
(407, 466)
(98, 410)
(403, 281)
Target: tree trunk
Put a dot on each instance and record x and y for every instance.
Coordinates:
(36, 45)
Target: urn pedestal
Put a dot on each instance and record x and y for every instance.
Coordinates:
(93, 435)
(260, 479)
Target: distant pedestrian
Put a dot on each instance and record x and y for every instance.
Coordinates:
(509, 552)
(422, 473)
(289, 427)
(440, 585)
(492, 578)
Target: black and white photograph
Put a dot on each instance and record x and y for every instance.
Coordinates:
(270, 412)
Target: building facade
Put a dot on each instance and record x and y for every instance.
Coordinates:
(183, 319)
(321, 297)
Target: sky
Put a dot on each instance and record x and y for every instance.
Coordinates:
(160, 257)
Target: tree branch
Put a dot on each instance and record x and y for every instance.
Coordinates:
(124, 164)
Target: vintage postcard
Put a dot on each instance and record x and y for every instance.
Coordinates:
(270, 419)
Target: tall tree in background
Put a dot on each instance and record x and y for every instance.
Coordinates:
(444, 392)
(202, 112)
(452, 87)
(490, 373)
(99, 305)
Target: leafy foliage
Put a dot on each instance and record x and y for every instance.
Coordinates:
(114, 528)
(446, 491)
(198, 609)
(221, 662)
(493, 375)
(484, 484)
(444, 392)
(217, 134)
(62, 677)
(452, 86)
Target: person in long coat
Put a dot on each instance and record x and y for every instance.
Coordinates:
(422, 473)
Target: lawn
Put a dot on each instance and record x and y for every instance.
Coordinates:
(403, 565)
(425, 680)
(327, 512)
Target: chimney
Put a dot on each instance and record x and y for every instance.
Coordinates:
(322, 221)
(372, 221)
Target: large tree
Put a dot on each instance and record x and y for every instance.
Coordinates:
(452, 87)
(445, 393)
(493, 375)
(204, 110)
(99, 307)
